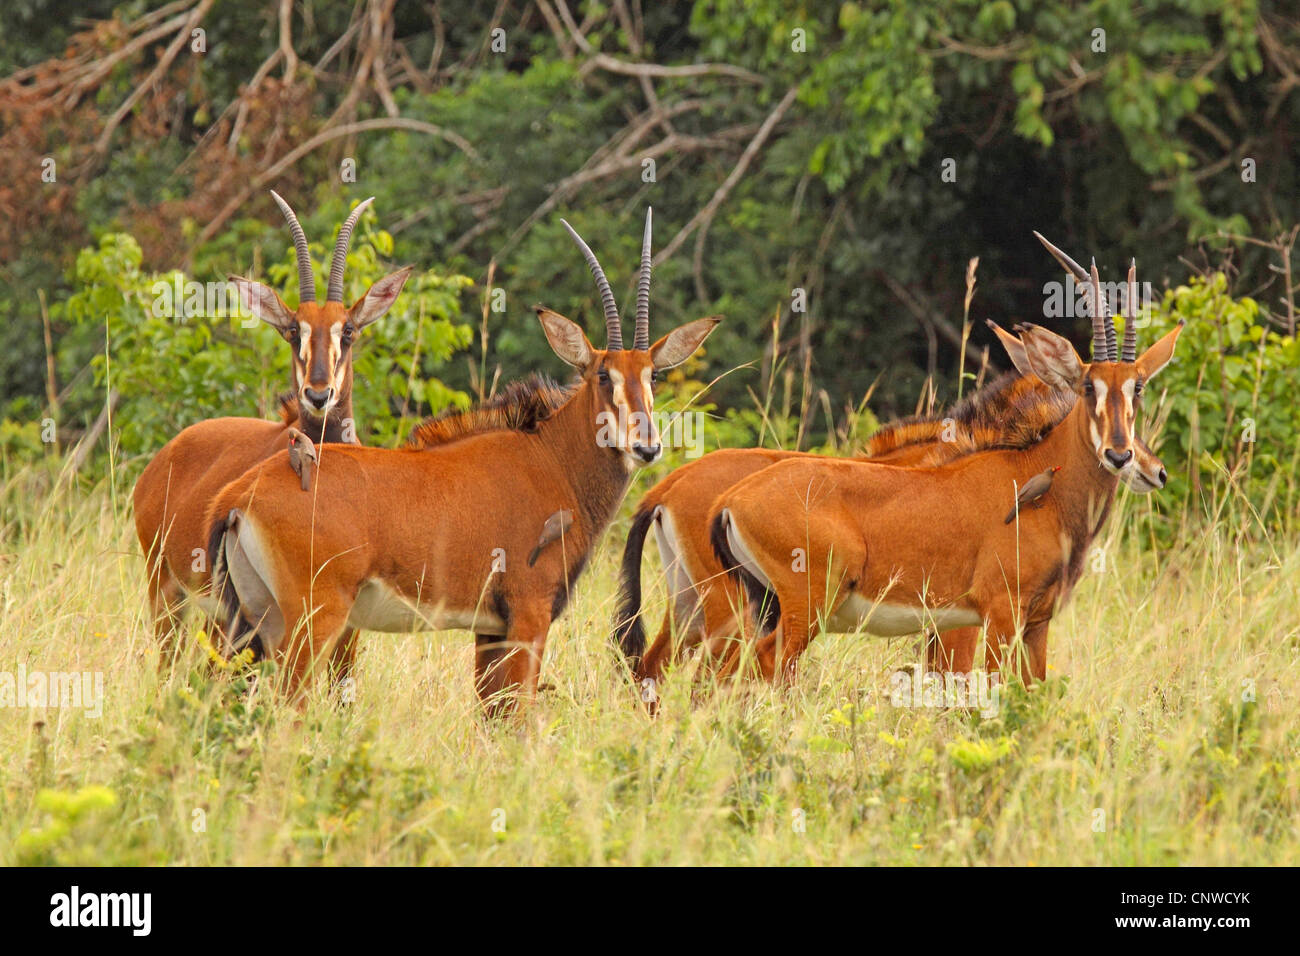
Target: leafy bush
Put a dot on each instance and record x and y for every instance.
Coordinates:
(175, 370)
(1229, 397)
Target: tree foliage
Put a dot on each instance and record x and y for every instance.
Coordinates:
(827, 167)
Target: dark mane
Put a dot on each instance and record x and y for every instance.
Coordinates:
(288, 402)
(1012, 411)
(521, 406)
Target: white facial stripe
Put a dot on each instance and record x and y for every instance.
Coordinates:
(620, 406)
(336, 349)
(647, 393)
(1127, 388)
(638, 427)
(304, 343)
(1100, 388)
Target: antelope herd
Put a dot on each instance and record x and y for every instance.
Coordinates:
(293, 538)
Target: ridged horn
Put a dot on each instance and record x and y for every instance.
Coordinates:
(1129, 354)
(1102, 317)
(612, 330)
(641, 340)
(1096, 301)
(1101, 342)
(334, 292)
(306, 278)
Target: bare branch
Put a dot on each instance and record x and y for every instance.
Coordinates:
(183, 35)
(325, 136)
(612, 65)
(720, 195)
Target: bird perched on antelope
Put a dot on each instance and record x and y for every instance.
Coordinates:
(1032, 491)
(552, 530)
(302, 456)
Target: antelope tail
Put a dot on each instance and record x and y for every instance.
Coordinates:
(628, 629)
(238, 631)
(763, 603)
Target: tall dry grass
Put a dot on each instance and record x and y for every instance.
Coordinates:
(1167, 732)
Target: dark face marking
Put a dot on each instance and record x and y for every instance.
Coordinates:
(322, 343)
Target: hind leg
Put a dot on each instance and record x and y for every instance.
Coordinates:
(166, 597)
(707, 617)
(344, 657)
(309, 649)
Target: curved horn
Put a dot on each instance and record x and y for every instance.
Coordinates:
(1069, 265)
(1105, 317)
(334, 292)
(642, 338)
(612, 329)
(306, 279)
(1129, 354)
(1103, 332)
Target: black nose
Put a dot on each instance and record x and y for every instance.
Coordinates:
(646, 453)
(317, 397)
(1118, 460)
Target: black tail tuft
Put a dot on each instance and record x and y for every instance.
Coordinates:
(223, 589)
(762, 600)
(628, 629)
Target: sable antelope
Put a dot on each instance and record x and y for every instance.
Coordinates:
(891, 549)
(436, 537)
(1011, 411)
(176, 488)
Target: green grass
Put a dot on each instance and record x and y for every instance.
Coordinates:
(1142, 719)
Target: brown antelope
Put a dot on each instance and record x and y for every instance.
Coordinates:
(891, 550)
(439, 535)
(176, 488)
(1010, 411)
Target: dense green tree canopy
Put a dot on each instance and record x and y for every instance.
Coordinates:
(821, 173)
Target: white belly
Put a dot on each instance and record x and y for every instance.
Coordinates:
(896, 620)
(379, 608)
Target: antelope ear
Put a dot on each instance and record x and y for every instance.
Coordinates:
(1159, 355)
(566, 337)
(1052, 358)
(261, 301)
(679, 344)
(1015, 348)
(379, 298)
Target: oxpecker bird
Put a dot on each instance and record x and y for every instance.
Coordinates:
(1031, 491)
(302, 456)
(552, 530)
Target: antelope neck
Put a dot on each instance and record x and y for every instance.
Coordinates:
(1082, 491)
(334, 423)
(597, 475)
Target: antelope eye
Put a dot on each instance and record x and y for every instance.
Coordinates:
(1137, 389)
(348, 332)
(654, 375)
(603, 377)
(1087, 387)
(292, 334)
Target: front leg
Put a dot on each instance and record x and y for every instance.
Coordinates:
(952, 651)
(507, 670)
(1029, 653)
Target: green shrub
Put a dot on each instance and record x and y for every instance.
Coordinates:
(1229, 395)
(174, 371)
